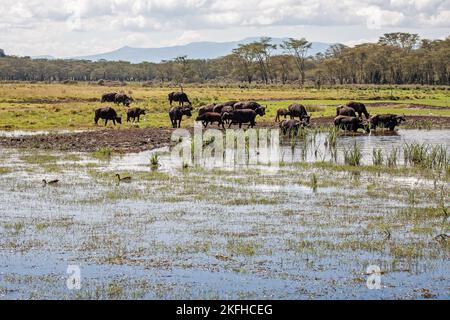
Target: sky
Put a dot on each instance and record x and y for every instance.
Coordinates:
(68, 28)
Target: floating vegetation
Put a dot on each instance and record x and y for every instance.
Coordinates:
(102, 153)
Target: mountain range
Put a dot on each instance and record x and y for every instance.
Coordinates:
(194, 50)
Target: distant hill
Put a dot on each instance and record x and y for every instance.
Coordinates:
(45, 57)
(195, 50)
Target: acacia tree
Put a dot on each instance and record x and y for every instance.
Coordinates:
(183, 67)
(403, 40)
(298, 48)
(262, 51)
(246, 57)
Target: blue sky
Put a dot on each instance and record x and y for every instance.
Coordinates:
(80, 27)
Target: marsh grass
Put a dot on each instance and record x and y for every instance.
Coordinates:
(5, 170)
(37, 158)
(103, 153)
(426, 156)
(391, 158)
(313, 182)
(377, 157)
(16, 227)
(353, 155)
(241, 247)
(154, 161)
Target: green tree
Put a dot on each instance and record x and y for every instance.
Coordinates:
(298, 48)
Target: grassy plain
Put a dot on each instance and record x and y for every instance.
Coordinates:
(26, 106)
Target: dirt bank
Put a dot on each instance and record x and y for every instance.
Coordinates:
(135, 140)
(126, 140)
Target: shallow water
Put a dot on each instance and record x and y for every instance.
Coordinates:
(315, 148)
(231, 234)
(24, 133)
(311, 149)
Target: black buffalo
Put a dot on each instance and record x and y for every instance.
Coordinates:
(247, 105)
(210, 117)
(134, 113)
(386, 121)
(176, 115)
(123, 98)
(345, 111)
(298, 110)
(109, 97)
(242, 116)
(179, 97)
(350, 123)
(218, 108)
(359, 108)
(225, 110)
(205, 109)
(107, 113)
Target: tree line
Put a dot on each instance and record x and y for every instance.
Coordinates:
(397, 58)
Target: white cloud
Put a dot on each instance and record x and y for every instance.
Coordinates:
(101, 20)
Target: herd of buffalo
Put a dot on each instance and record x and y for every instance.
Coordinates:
(348, 117)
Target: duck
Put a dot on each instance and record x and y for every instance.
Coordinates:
(124, 179)
(51, 182)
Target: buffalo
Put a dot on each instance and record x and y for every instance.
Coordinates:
(210, 117)
(251, 105)
(205, 109)
(134, 113)
(247, 105)
(242, 116)
(218, 108)
(386, 121)
(290, 126)
(227, 109)
(345, 111)
(109, 97)
(107, 113)
(123, 98)
(176, 115)
(359, 108)
(298, 110)
(281, 112)
(350, 123)
(179, 97)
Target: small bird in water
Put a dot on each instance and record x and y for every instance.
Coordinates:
(124, 179)
(51, 182)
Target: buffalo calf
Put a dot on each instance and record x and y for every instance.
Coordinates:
(134, 113)
(210, 117)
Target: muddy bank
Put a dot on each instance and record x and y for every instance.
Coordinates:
(135, 140)
(125, 140)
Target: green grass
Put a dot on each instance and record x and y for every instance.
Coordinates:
(58, 106)
(4, 170)
(353, 155)
(242, 248)
(154, 161)
(102, 153)
(38, 158)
